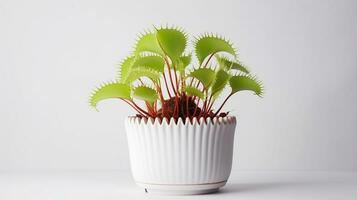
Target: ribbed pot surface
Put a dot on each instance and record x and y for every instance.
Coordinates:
(169, 153)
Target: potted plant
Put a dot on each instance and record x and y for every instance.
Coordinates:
(179, 142)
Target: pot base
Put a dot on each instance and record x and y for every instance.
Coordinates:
(184, 189)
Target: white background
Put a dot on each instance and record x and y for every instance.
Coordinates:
(53, 53)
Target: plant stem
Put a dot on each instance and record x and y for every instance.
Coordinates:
(203, 90)
(204, 66)
(219, 109)
(150, 109)
(194, 112)
(209, 58)
(187, 111)
(136, 106)
(210, 106)
(183, 82)
(176, 107)
(170, 76)
(191, 82)
(133, 107)
(203, 108)
(162, 101)
(207, 109)
(167, 87)
(176, 79)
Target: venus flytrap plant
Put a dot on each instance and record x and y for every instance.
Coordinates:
(161, 75)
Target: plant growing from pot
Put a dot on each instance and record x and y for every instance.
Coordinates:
(180, 141)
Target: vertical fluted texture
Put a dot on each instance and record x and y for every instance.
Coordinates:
(165, 152)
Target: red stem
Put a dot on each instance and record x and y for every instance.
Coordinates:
(219, 109)
(134, 107)
(170, 76)
(187, 111)
(167, 87)
(210, 106)
(191, 82)
(208, 60)
(162, 101)
(176, 107)
(203, 108)
(176, 79)
(150, 109)
(203, 90)
(194, 112)
(176, 110)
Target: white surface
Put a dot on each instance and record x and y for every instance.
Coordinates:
(119, 185)
(53, 53)
(177, 154)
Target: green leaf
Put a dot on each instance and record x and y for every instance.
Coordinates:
(110, 90)
(225, 63)
(222, 78)
(183, 62)
(244, 82)
(145, 93)
(208, 45)
(172, 42)
(153, 62)
(125, 68)
(205, 75)
(192, 91)
(148, 43)
(139, 72)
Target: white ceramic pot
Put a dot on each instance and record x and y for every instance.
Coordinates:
(182, 157)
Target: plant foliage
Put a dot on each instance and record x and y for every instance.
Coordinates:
(160, 80)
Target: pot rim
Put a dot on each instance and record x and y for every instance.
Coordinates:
(187, 121)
